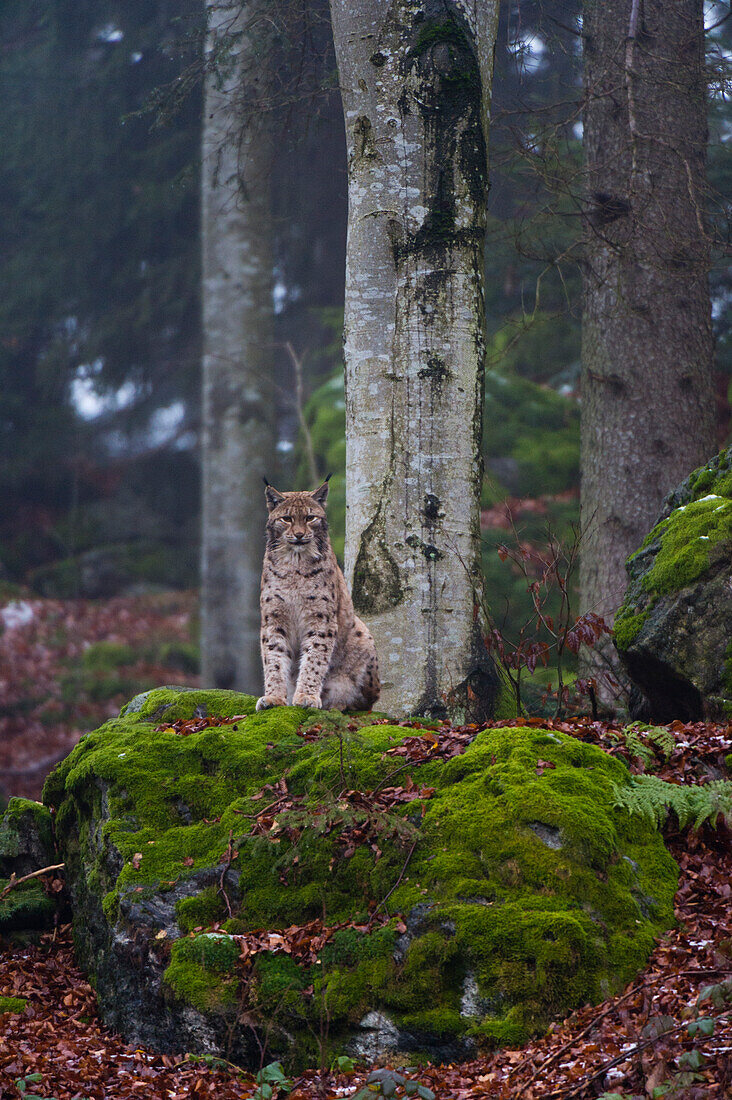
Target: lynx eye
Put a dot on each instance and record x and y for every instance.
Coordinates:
(286, 519)
(311, 518)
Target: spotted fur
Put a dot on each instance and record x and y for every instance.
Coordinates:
(314, 648)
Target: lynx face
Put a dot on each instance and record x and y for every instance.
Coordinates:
(297, 525)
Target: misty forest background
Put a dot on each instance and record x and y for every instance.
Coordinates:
(100, 319)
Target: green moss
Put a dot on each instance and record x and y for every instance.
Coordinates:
(26, 908)
(203, 972)
(516, 879)
(200, 911)
(25, 824)
(681, 548)
(628, 626)
(12, 1004)
(686, 539)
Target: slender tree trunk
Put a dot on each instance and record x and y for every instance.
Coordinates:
(647, 397)
(415, 79)
(238, 442)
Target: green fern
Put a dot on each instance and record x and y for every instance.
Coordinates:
(662, 738)
(652, 798)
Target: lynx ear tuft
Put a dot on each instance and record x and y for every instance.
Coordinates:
(320, 495)
(271, 495)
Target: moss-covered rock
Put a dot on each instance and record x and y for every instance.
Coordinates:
(26, 845)
(511, 892)
(673, 630)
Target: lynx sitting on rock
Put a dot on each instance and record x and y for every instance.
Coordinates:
(311, 640)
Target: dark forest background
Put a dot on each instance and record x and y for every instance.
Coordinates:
(100, 311)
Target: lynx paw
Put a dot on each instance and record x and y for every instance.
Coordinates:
(300, 699)
(267, 701)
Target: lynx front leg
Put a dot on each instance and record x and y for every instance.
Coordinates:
(277, 662)
(317, 651)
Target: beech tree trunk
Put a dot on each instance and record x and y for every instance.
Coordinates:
(238, 432)
(647, 397)
(415, 78)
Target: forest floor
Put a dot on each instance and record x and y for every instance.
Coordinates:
(68, 665)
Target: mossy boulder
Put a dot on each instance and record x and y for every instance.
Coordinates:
(510, 891)
(674, 629)
(26, 845)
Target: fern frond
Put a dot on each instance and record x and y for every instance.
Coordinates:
(652, 799)
(662, 738)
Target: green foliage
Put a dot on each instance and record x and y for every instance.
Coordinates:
(652, 798)
(271, 1081)
(108, 670)
(21, 1084)
(658, 736)
(719, 994)
(107, 655)
(325, 415)
(12, 1004)
(533, 432)
(389, 1082)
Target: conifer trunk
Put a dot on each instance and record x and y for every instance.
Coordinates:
(415, 79)
(238, 433)
(647, 398)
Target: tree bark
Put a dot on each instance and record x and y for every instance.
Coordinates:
(238, 432)
(647, 396)
(415, 79)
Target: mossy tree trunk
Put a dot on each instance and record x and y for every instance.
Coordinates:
(647, 398)
(415, 79)
(238, 433)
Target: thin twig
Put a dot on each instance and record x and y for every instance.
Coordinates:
(228, 857)
(265, 810)
(385, 780)
(576, 1038)
(304, 426)
(34, 874)
(624, 1056)
(401, 876)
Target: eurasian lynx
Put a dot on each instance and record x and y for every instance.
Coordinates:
(311, 640)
